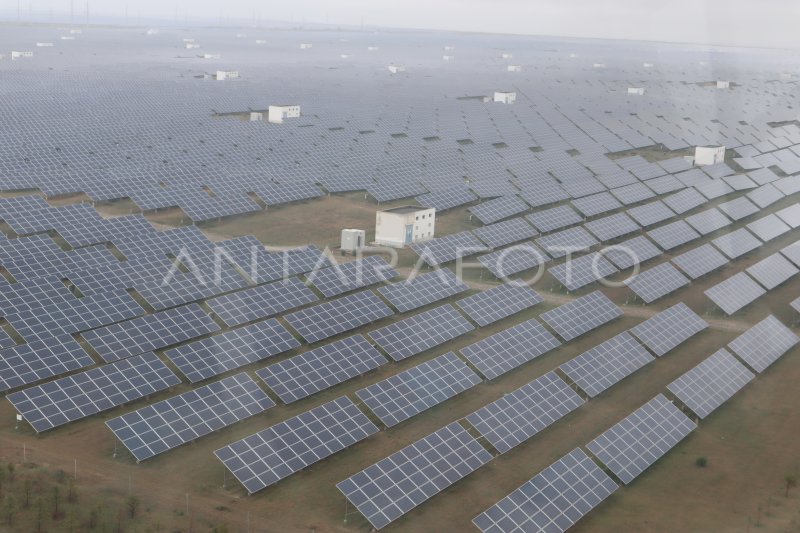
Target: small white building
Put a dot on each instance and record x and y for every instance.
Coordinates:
(305, 46)
(226, 74)
(191, 46)
(786, 75)
(448, 58)
(277, 113)
(188, 39)
(67, 37)
(241, 35)
(505, 97)
(344, 56)
(394, 69)
(44, 45)
(372, 48)
(636, 90)
(723, 84)
(404, 225)
(647, 65)
(76, 31)
(709, 155)
(514, 68)
(151, 31)
(17, 55)
(449, 48)
(211, 56)
(353, 240)
(506, 55)
(261, 41)
(255, 116)
(599, 65)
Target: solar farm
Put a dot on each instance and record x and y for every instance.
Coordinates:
(595, 314)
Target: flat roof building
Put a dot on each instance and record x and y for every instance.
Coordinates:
(277, 113)
(401, 226)
(709, 155)
(505, 97)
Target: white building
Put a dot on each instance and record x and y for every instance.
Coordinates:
(505, 97)
(448, 58)
(394, 69)
(44, 44)
(225, 74)
(514, 68)
(599, 65)
(76, 31)
(636, 90)
(67, 37)
(277, 113)
(261, 41)
(372, 48)
(211, 56)
(506, 55)
(305, 46)
(151, 31)
(16, 55)
(404, 225)
(188, 39)
(709, 155)
(344, 56)
(647, 65)
(723, 84)
(191, 46)
(449, 48)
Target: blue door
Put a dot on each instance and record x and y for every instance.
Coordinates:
(409, 233)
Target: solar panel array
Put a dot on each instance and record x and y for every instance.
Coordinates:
(338, 279)
(55, 403)
(303, 375)
(337, 316)
(633, 444)
(498, 302)
(599, 368)
(40, 359)
(764, 343)
(657, 282)
(251, 304)
(669, 328)
(581, 315)
(423, 289)
(510, 348)
(266, 457)
(393, 486)
(421, 332)
(408, 393)
(167, 424)
(553, 500)
(521, 414)
(711, 383)
(734, 293)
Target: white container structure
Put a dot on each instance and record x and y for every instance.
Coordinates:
(401, 226)
(723, 84)
(709, 155)
(636, 90)
(394, 69)
(514, 68)
(353, 240)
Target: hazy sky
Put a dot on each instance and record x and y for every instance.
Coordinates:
(748, 22)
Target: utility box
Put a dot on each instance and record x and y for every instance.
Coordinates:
(352, 240)
(256, 116)
(723, 84)
(636, 90)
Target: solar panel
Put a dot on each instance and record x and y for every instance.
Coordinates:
(583, 314)
(393, 486)
(684, 201)
(631, 252)
(708, 221)
(440, 250)
(651, 213)
(506, 232)
(150, 332)
(765, 195)
(792, 252)
(734, 293)
(40, 359)
(711, 383)
(510, 348)
(266, 457)
(513, 260)
(768, 227)
(772, 271)
(337, 316)
(673, 235)
(700, 261)
(609, 362)
(412, 391)
(565, 241)
(581, 271)
(421, 332)
(498, 302)
(310, 372)
(260, 302)
(165, 425)
(498, 209)
(423, 289)
(790, 215)
(633, 444)
(764, 343)
(669, 328)
(338, 279)
(736, 243)
(738, 208)
(71, 398)
(554, 218)
(612, 226)
(521, 414)
(596, 204)
(442, 200)
(553, 500)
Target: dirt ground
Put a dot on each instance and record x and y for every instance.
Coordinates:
(750, 443)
